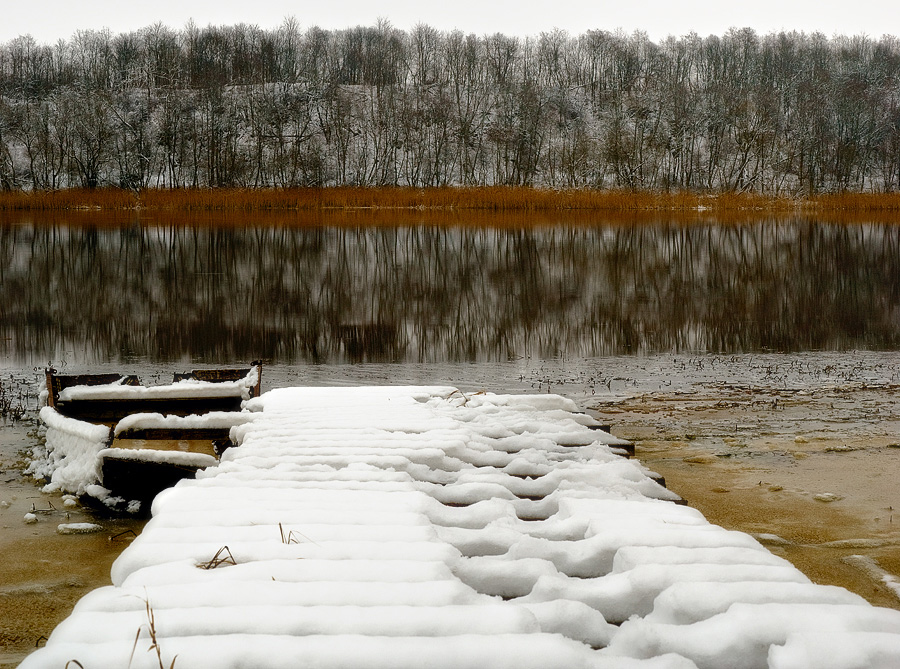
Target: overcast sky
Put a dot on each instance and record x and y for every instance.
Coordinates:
(49, 20)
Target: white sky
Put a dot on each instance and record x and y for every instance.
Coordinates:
(49, 20)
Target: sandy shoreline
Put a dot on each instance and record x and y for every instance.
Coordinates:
(44, 573)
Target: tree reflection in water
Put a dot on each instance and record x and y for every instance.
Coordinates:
(167, 291)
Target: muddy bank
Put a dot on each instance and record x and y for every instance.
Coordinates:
(812, 473)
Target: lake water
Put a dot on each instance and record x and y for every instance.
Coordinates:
(89, 288)
(755, 365)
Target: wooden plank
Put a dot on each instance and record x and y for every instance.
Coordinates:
(168, 438)
(211, 447)
(56, 383)
(176, 433)
(223, 375)
(601, 428)
(141, 479)
(112, 411)
(628, 448)
(211, 375)
(659, 478)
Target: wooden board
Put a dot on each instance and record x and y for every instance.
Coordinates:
(56, 383)
(140, 479)
(112, 411)
(189, 445)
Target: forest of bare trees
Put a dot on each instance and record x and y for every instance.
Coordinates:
(779, 114)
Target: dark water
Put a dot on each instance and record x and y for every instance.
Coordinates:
(119, 291)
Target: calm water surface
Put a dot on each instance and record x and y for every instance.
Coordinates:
(92, 289)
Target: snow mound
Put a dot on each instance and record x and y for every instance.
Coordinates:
(78, 528)
(213, 419)
(70, 457)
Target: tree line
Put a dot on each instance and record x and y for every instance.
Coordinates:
(240, 106)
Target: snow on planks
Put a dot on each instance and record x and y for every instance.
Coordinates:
(413, 527)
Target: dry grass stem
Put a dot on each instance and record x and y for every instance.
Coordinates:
(222, 556)
(154, 640)
(122, 534)
(291, 536)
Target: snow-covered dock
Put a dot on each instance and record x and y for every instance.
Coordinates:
(421, 527)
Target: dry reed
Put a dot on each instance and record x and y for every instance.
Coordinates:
(291, 537)
(222, 556)
(154, 639)
(368, 202)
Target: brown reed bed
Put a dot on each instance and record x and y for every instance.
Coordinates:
(851, 202)
(349, 198)
(680, 206)
(68, 200)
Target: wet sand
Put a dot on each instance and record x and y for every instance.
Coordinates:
(44, 573)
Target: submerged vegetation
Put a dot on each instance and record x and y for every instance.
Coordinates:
(782, 115)
(17, 396)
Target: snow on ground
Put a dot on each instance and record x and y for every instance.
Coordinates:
(409, 527)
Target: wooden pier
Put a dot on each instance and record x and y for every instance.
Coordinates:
(158, 435)
(426, 527)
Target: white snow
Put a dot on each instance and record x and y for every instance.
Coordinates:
(690, 602)
(70, 457)
(187, 388)
(409, 527)
(859, 650)
(213, 419)
(742, 636)
(78, 528)
(332, 651)
(152, 455)
(180, 390)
